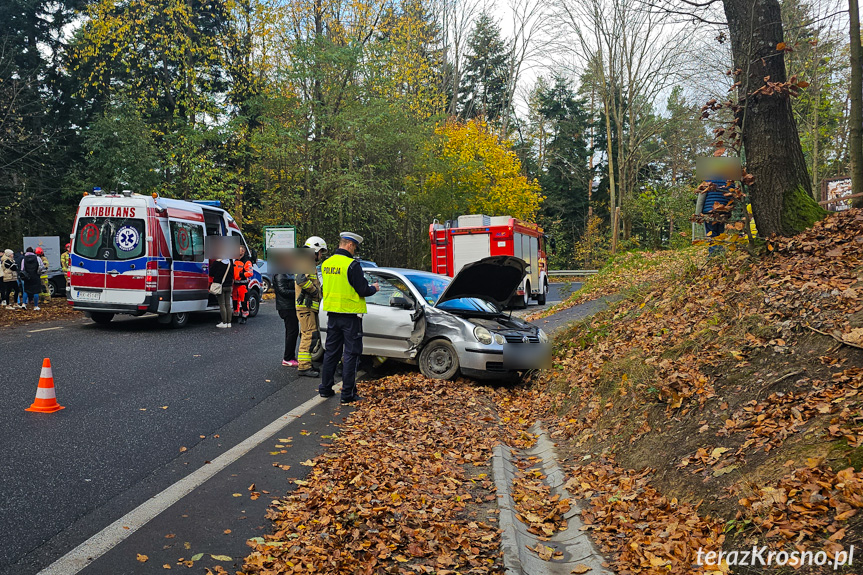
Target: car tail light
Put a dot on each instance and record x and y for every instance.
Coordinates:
(151, 282)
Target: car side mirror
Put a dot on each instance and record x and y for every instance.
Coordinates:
(400, 302)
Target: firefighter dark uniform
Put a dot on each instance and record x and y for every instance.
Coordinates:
(240, 290)
(308, 305)
(345, 289)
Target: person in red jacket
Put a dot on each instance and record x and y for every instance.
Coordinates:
(240, 291)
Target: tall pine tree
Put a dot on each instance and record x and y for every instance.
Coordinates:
(566, 176)
(483, 89)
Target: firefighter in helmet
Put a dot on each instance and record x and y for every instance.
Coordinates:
(240, 291)
(43, 272)
(308, 304)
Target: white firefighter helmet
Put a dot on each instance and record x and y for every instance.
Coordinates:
(316, 243)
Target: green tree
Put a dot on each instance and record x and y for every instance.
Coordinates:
(483, 92)
(565, 175)
(121, 152)
(819, 56)
(165, 57)
(38, 143)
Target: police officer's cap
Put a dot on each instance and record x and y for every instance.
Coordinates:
(356, 238)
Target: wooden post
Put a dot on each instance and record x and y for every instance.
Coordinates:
(614, 222)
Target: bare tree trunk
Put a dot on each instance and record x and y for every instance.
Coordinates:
(611, 190)
(856, 118)
(781, 195)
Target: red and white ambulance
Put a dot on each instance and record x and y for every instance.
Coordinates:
(473, 237)
(137, 254)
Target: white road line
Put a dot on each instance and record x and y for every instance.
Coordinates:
(109, 537)
(45, 329)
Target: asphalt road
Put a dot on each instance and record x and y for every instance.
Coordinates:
(136, 394)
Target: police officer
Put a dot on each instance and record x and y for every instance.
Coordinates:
(308, 303)
(345, 289)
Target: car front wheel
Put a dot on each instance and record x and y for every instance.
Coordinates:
(438, 360)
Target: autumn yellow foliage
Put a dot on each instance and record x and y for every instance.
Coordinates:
(471, 170)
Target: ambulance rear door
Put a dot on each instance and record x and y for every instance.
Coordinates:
(87, 268)
(109, 254)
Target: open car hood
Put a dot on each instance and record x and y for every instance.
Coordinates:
(493, 278)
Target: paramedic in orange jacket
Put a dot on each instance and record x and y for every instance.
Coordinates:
(240, 290)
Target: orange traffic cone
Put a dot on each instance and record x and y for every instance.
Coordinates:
(46, 399)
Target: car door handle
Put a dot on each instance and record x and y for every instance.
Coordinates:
(113, 272)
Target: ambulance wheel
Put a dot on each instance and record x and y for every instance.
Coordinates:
(438, 360)
(179, 320)
(254, 303)
(101, 317)
(540, 299)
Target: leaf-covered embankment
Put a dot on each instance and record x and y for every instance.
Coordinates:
(728, 388)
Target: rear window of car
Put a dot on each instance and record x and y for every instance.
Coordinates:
(110, 238)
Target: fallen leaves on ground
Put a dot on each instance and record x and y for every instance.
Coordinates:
(768, 423)
(808, 508)
(51, 310)
(535, 506)
(647, 532)
(394, 492)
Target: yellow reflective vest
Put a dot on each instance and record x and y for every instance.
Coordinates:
(339, 294)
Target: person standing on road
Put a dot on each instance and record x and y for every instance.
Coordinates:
(31, 269)
(283, 285)
(9, 270)
(220, 272)
(240, 292)
(308, 304)
(345, 289)
(22, 296)
(66, 264)
(43, 272)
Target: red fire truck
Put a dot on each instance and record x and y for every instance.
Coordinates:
(473, 237)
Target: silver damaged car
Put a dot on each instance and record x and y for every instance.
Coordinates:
(447, 326)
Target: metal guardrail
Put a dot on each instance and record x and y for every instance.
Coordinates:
(572, 272)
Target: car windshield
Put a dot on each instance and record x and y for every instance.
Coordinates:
(471, 304)
(430, 286)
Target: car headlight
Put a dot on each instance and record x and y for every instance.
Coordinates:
(499, 339)
(543, 338)
(482, 335)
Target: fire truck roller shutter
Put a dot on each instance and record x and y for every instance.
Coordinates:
(534, 265)
(467, 248)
